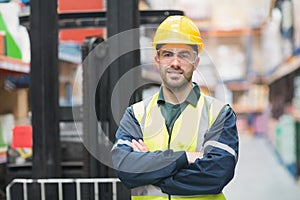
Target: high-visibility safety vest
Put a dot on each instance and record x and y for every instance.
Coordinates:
(195, 120)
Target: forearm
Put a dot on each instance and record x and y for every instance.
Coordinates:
(138, 168)
(206, 176)
(212, 173)
(141, 168)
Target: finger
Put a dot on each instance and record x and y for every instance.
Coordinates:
(137, 145)
(134, 147)
(142, 142)
(144, 146)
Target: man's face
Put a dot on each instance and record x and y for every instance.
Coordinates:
(176, 63)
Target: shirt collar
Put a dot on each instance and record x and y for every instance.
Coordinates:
(192, 98)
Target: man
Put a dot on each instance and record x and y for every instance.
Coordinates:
(178, 144)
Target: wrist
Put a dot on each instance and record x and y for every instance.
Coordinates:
(193, 156)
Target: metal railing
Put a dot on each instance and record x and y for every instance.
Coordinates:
(60, 183)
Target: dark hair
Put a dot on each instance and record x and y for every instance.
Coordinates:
(195, 47)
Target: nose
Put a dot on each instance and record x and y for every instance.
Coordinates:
(175, 62)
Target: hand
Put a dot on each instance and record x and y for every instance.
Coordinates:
(139, 146)
(192, 156)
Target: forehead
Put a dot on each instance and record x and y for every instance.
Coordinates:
(177, 46)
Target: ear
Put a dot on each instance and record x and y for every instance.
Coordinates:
(196, 63)
(156, 60)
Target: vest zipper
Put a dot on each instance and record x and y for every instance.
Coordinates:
(169, 142)
(170, 134)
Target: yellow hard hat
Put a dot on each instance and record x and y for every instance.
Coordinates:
(178, 29)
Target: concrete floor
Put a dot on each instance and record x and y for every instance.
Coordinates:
(260, 175)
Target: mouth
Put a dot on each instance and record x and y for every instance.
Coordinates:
(174, 74)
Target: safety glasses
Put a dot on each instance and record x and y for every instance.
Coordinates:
(166, 56)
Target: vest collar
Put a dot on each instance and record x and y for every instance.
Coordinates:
(192, 98)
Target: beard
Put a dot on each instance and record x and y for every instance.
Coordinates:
(176, 79)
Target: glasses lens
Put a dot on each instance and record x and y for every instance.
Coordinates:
(166, 56)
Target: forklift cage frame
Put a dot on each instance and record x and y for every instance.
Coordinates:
(60, 182)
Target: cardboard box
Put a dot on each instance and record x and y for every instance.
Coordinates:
(2, 43)
(67, 72)
(15, 102)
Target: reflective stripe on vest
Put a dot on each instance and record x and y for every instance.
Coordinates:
(151, 192)
(156, 137)
(204, 197)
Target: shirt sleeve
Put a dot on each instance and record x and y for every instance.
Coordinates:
(139, 168)
(213, 172)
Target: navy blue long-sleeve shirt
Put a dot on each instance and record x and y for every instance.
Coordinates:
(170, 170)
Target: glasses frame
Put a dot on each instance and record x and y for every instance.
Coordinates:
(176, 52)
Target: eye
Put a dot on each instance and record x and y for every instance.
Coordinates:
(166, 54)
(185, 55)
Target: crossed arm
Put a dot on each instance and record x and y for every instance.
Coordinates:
(140, 146)
(176, 173)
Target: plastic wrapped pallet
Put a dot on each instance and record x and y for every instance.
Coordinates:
(286, 141)
(296, 6)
